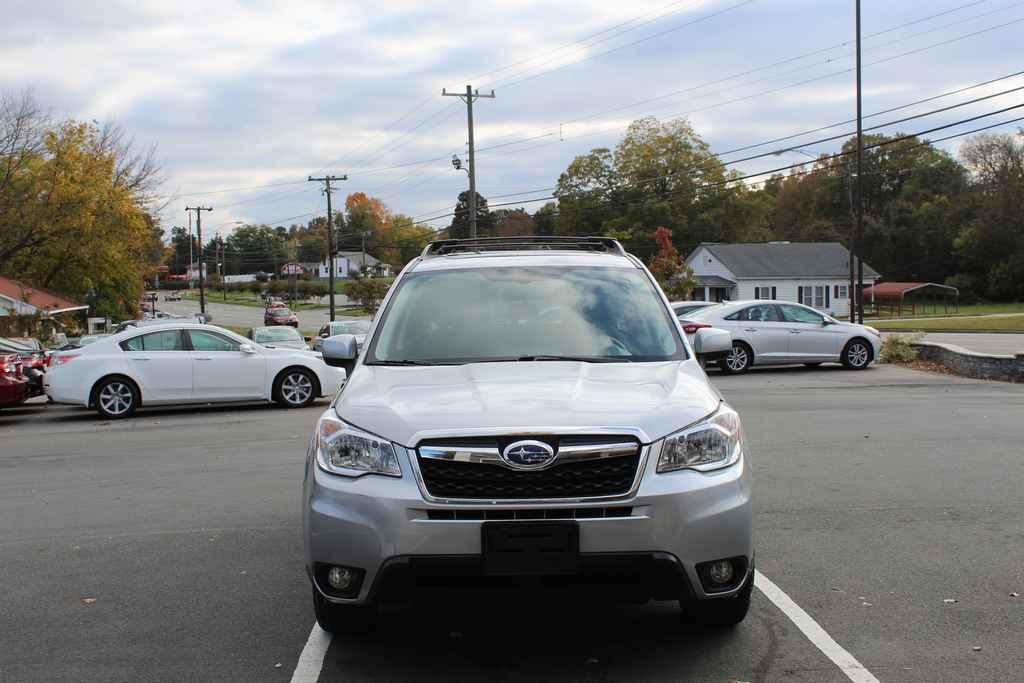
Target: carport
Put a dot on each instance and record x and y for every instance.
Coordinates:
(912, 297)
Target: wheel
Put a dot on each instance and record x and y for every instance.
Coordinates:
(739, 359)
(340, 619)
(721, 611)
(813, 365)
(116, 397)
(856, 355)
(295, 388)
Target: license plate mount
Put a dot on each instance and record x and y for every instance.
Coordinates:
(530, 548)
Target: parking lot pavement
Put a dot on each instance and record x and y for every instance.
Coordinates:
(168, 547)
(247, 316)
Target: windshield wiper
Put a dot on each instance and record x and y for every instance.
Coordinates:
(405, 362)
(579, 359)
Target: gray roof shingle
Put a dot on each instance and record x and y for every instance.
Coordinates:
(785, 259)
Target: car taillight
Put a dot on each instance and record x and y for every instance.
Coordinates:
(64, 358)
(691, 328)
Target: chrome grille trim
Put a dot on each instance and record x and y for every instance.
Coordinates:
(489, 455)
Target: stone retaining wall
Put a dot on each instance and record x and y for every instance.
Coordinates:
(969, 363)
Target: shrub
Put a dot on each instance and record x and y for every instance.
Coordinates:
(367, 291)
(897, 348)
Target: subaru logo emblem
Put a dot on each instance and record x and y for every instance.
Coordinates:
(528, 455)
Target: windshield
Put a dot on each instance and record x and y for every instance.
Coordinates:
(280, 312)
(702, 313)
(270, 334)
(351, 327)
(543, 313)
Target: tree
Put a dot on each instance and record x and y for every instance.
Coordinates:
(545, 219)
(259, 247)
(675, 277)
(404, 240)
(459, 227)
(513, 222)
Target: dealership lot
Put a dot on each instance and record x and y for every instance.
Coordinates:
(168, 546)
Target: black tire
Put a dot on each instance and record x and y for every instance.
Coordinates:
(116, 397)
(857, 354)
(722, 612)
(295, 388)
(813, 365)
(739, 359)
(343, 619)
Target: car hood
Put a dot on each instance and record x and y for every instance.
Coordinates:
(409, 404)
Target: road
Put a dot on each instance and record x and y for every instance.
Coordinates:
(247, 316)
(168, 547)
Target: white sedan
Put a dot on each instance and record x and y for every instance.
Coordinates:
(176, 363)
(785, 333)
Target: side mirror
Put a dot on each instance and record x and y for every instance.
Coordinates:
(711, 342)
(825, 322)
(247, 348)
(339, 348)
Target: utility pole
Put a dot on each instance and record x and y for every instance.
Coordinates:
(849, 189)
(199, 236)
(326, 180)
(859, 235)
(221, 268)
(468, 98)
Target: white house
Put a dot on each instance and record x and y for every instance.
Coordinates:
(346, 262)
(812, 273)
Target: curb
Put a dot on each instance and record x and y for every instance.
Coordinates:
(967, 363)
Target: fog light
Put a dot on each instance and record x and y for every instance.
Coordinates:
(340, 578)
(721, 572)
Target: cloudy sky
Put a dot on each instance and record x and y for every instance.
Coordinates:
(259, 94)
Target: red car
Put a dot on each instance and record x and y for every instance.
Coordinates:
(280, 315)
(13, 386)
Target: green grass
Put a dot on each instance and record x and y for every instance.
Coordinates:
(1013, 323)
(971, 309)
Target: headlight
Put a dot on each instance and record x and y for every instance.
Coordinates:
(873, 331)
(343, 449)
(712, 444)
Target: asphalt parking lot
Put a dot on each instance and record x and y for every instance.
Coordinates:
(167, 547)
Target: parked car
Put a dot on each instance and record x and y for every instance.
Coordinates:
(172, 296)
(279, 337)
(281, 315)
(766, 332)
(14, 387)
(34, 360)
(527, 411)
(176, 362)
(681, 308)
(358, 328)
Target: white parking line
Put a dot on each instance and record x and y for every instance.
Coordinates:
(846, 662)
(311, 661)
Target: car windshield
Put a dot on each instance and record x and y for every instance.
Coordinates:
(280, 312)
(272, 334)
(351, 327)
(703, 312)
(536, 313)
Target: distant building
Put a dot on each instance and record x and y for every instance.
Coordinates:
(17, 298)
(347, 262)
(815, 274)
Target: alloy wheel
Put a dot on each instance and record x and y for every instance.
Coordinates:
(737, 360)
(858, 355)
(296, 388)
(116, 398)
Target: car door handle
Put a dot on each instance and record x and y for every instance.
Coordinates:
(204, 358)
(140, 359)
(794, 331)
(750, 329)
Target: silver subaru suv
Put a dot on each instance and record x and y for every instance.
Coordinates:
(527, 414)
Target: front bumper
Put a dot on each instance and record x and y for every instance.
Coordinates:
(380, 524)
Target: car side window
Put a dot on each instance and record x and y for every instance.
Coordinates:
(165, 340)
(209, 341)
(799, 314)
(765, 313)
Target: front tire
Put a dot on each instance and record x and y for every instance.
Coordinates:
(739, 359)
(295, 388)
(857, 354)
(343, 619)
(116, 398)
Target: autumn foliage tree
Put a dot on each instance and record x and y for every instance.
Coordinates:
(675, 277)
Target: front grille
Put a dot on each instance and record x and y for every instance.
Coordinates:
(530, 513)
(609, 476)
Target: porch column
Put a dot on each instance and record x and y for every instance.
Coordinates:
(707, 293)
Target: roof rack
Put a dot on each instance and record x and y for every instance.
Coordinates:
(523, 243)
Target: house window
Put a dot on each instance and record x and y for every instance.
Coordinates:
(764, 292)
(819, 297)
(807, 296)
(840, 292)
